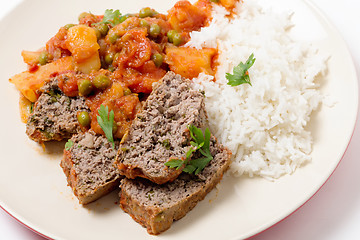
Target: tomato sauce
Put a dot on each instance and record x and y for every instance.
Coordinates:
(132, 54)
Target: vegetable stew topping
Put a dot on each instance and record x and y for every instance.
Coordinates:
(113, 59)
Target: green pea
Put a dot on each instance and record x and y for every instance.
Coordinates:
(109, 58)
(154, 30)
(127, 91)
(170, 34)
(147, 12)
(111, 68)
(97, 32)
(101, 81)
(174, 37)
(43, 58)
(158, 59)
(103, 28)
(177, 39)
(68, 26)
(144, 23)
(83, 15)
(113, 38)
(84, 118)
(85, 87)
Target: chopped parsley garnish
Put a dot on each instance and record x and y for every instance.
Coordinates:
(166, 144)
(106, 122)
(32, 107)
(111, 17)
(240, 72)
(68, 144)
(150, 194)
(201, 144)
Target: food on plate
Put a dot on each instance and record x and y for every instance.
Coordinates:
(54, 115)
(160, 131)
(138, 95)
(88, 164)
(156, 206)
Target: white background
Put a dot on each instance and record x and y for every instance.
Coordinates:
(334, 212)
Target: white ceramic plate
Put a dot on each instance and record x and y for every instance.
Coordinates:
(33, 187)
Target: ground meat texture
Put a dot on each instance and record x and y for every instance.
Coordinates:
(155, 207)
(160, 131)
(54, 115)
(89, 166)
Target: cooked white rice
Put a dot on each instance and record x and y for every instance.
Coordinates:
(263, 124)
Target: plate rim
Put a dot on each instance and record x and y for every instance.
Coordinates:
(329, 24)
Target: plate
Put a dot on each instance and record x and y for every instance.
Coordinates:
(33, 187)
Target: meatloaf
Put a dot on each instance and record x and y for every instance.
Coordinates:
(54, 114)
(160, 130)
(155, 207)
(89, 166)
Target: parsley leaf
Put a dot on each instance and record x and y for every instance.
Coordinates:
(68, 144)
(200, 163)
(240, 73)
(201, 144)
(174, 163)
(106, 122)
(111, 17)
(189, 169)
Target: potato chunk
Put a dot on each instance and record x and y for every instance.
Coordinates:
(228, 3)
(25, 107)
(92, 63)
(82, 43)
(31, 58)
(186, 17)
(28, 83)
(189, 62)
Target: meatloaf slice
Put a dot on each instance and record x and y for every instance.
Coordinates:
(54, 114)
(155, 207)
(159, 131)
(89, 166)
